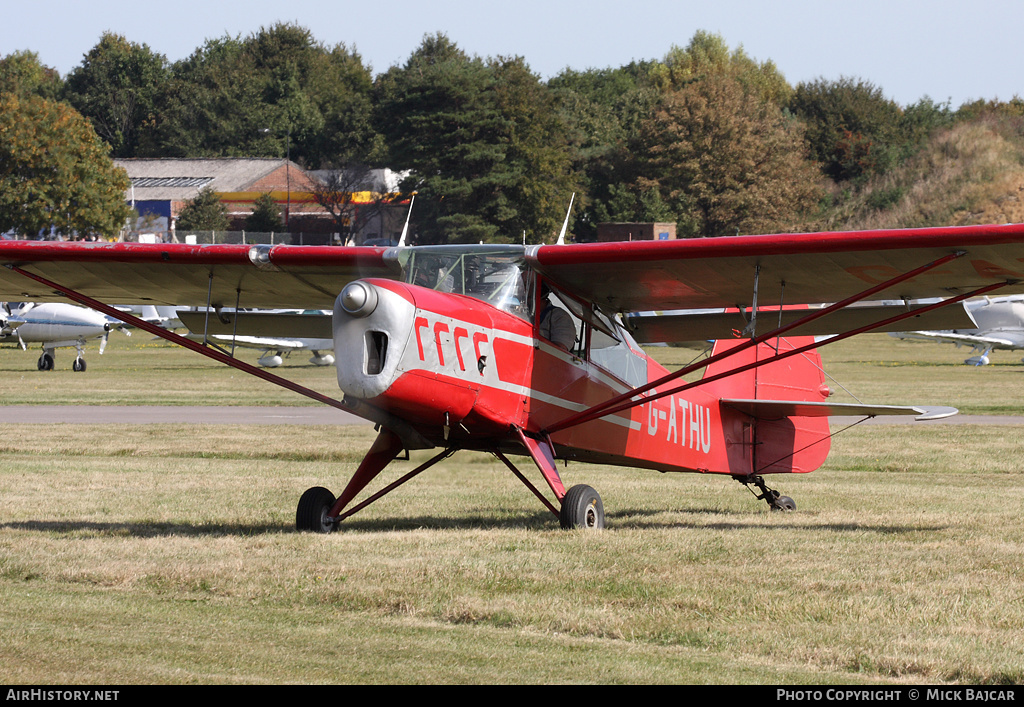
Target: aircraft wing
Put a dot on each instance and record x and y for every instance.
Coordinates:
(265, 343)
(649, 328)
(190, 275)
(788, 269)
(953, 337)
(259, 324)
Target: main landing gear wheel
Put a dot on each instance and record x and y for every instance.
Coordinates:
(311, 514)
(45, 362)
(78, 365)
(582, 508)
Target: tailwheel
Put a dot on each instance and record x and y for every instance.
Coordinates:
(582, 508)
(311, 514)
(773, 498)
(784, 503)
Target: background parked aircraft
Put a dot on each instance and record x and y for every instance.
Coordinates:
(999, 325)
(165, 316)
(7, 326)
(55, 325)
(277, 333)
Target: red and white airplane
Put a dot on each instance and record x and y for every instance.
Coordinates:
(449, 347)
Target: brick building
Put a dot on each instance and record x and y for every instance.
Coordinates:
(161, 187)
(636, 231)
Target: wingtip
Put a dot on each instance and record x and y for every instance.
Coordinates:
(936, 413)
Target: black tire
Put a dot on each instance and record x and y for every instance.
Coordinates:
(78, 365)
(785, 504)
(45, 362)
(311, 514)
(582, 508)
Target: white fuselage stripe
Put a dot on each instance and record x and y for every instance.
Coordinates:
(546, 398)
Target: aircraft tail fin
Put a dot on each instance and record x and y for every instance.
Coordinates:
(788, 441)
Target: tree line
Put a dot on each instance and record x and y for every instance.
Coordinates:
(707, 137)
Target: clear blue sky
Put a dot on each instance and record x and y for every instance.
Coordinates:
(945, 49)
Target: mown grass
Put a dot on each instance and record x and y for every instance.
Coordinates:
(165, 554)
(140, 370)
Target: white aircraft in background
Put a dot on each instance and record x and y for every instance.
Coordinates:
(165, 317)
(55, 325)
(999, 324)
(276, 332)
(7, 326)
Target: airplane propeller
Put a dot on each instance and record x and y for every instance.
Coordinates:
(106, 333)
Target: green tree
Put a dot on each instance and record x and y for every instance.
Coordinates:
(21, 73)
(203, 212)
(725, 161)
(277, 92)
(116, 88)
(607, 110)
(321, 94)
(602, 109)
(265, 216)
(708, 55)
(211, 107)
(483, 142)
(55, 172)
(853, 130)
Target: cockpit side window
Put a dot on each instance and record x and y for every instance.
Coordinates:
(618, 356)
(557, 323)
(600, 338)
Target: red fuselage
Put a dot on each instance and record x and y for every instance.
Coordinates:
(465, 373)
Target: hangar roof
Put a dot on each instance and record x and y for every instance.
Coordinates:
(179, 179)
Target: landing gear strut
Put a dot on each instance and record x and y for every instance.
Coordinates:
(320, 512)
(772, 497)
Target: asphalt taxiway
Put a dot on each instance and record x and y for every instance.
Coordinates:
(171, 414)
(314, 415)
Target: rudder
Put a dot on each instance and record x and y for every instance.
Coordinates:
(765, 445)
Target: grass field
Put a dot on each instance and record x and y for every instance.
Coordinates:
(165, 553)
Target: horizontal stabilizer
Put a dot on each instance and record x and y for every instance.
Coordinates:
(778, 409)
(273, 324)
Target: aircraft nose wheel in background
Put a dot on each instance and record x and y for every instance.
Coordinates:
(582, 508)
(78, 365)
(311, 514)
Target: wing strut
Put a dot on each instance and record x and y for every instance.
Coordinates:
(725, 374)
(629, 399)
(411, 438)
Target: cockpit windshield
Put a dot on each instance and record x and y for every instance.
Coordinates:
(497, 276)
